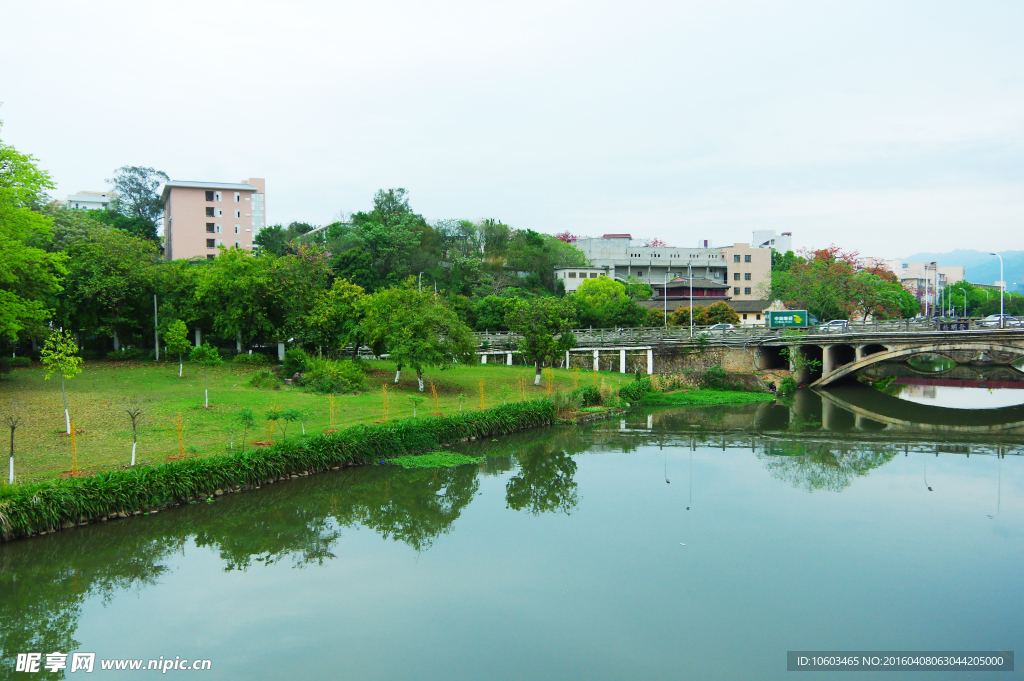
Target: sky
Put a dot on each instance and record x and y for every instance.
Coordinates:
(884, 127)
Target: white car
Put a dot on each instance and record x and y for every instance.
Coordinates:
(721, 327)
(993, 320)
(836, 325)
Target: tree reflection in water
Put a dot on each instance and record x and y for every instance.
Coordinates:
(544, 482)
(822, 465)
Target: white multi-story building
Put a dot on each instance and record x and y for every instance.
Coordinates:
(737, 272)
(91, 200)
(926, 280)
(768, 238)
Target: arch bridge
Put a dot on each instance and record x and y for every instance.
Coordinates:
(841, 355)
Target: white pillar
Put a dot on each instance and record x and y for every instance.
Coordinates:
(566, 359)
(280, 351)
(622, 361)
(199, 336)
(650, 362)
(483, 359)
(117, 342)
(238, 343)
(597, 366)
(508, 358)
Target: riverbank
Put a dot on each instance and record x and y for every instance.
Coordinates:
(97, 397)
(51, 505)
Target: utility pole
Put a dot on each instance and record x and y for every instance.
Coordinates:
(664, 298)
(156, 332)
(1002, 287)
(689, 266)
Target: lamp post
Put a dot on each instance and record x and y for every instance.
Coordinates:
(965, 301)
(1002, 287)
(664, 299)
(689, 267)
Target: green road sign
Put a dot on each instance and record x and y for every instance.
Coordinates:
(791, 318)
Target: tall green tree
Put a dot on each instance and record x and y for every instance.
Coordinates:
(137, 195)
(29, 275)
(604, 302)
(109, 285)
(334, 320)
(415, 329)
(544, 325)
(242, 291)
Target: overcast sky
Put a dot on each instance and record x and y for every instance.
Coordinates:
(887, 127)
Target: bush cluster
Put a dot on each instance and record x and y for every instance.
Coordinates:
(333, 376)
(20, 362)
(254, 360)
(131, 354)
(30, 508)
(635, 390)
(265, 378)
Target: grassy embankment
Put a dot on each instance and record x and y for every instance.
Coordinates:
(62, 503)
(703, 398)
(96, 398)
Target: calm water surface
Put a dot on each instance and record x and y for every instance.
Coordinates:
(679, 544)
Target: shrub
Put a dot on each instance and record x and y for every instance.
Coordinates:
(254, 360)
(295, 361)
(635, 390)
(88, 354)
(714, 377)
(20, 362)
(125, 355)
(264, 378)
(329, 376)
(786, 386)
(5, 365)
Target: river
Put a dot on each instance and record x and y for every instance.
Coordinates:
(670, 544)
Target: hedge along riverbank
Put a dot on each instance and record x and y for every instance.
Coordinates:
(55, 504)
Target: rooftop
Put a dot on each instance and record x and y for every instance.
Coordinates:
(229, 186)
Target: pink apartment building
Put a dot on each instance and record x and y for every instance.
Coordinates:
(201, 216)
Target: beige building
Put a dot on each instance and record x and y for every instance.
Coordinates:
(199, 217)
(750, 271)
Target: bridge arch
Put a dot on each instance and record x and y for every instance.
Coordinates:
(839, 372)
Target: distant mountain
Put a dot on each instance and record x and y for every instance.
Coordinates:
(982, 268)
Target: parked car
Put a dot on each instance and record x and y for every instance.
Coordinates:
(721, 327)
(835, 325)
(993, 320)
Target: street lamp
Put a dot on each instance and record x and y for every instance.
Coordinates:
(689, 267)
(965, 300)
(1002, 287)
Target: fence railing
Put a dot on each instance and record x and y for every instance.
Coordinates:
(499, 341)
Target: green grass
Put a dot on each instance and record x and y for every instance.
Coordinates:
(435, 460)
(96, 396)
(704, 398)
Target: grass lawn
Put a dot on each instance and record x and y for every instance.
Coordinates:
(97, 396)
(704, 398)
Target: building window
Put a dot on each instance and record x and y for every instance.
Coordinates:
(209, 227)
(744, 316)
(209, 196)
(238, 244)
(210, 243)
(736, 291)
(746, 276)
(572, 275)
(746, 291)
(210, 256)
(757, 317)
(746, 258)
(593, 275)
(736, 276)
(735, 258)
(238, 213)
(238, 197)
(209, 212)
(220, 212)
(216, 196)
(238, 229)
